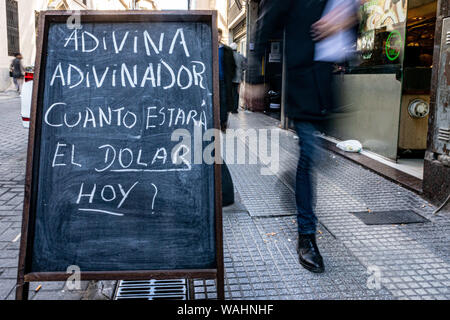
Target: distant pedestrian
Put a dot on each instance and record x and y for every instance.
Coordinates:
(227, 69)
(17, 72)
(239, 59)
(309, 99)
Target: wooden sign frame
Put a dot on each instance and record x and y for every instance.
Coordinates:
(24, 275)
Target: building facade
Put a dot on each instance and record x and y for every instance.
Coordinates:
(237, 24)
(222, 13)
(18, 24)
(396, 88)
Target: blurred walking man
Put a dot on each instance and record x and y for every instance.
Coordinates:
(308, 94)
(240, 67)
(227, 69)
(17, 72)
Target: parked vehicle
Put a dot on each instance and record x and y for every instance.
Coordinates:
(25, 99)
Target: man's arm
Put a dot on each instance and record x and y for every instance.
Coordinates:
(243, 63)
(342, 17)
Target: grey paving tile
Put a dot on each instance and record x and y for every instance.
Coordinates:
(342, 186)
(259, 242)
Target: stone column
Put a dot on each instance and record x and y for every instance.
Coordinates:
(436, 181)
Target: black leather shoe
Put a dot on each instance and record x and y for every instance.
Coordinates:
(308, 253)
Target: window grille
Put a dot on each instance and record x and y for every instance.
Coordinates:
(12, 29)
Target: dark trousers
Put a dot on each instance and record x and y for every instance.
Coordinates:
(227, 186)
(223, 103)
(304, 192)
(235, 97)
(227, 182)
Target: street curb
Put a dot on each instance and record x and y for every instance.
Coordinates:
(394, 175)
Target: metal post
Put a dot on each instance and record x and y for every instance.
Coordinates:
(247, 27)
(284, 119)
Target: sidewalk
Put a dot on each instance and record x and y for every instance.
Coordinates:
(13, 151)
(412, 260)
(9, 94)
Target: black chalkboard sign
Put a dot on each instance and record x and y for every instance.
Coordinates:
(113, 186)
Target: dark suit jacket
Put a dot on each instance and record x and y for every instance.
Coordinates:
(229, 66)
(17, 68)
(308, 83)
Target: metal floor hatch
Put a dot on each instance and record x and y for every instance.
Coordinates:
(389, 217)
(175, 289)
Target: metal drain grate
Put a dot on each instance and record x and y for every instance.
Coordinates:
(389, 217)
(176, 289)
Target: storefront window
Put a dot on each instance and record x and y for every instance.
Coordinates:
(381, 37)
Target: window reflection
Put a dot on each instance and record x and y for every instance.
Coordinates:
(380, 42)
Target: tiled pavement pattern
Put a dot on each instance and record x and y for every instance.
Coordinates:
(13, 148)
(413, 261)
(260, 258)
(261, 263)
(12, 159)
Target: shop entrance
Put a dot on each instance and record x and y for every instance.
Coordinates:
(417, 66)
(385, 87)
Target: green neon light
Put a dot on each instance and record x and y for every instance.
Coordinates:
(392, 53)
